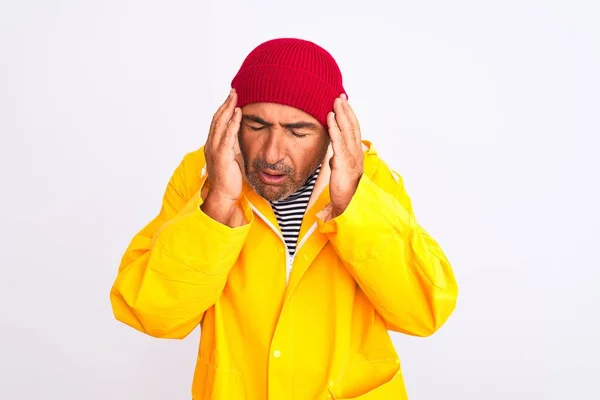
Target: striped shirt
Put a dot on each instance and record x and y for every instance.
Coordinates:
(290, 212)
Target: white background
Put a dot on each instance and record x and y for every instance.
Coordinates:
(489, 110)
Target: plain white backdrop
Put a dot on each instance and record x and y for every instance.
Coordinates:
(489, 110)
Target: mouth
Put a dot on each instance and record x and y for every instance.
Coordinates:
(272, 178)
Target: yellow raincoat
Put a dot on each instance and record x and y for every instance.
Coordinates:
(321, 335)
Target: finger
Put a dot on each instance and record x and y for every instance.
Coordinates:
(352, 116)
(335, 134)
(225, 105)
(211, 130)
(340, 116)
(236, 145)
(224, 119)
(343, 121)
(229, 138)
(221, 108)
(236, 131)
(215, 117)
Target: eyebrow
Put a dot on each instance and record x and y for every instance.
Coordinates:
(294, 125)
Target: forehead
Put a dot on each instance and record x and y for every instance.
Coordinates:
(278, 113)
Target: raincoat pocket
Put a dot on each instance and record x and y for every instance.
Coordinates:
(392, 387)
(217, 383)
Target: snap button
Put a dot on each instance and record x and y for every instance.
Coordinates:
(305, 257)
(276, 354)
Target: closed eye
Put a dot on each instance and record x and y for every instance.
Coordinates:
(255, 128)
(298, 135)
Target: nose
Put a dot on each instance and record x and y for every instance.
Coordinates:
(273, 150)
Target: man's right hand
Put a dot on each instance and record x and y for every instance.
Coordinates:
(224, 171)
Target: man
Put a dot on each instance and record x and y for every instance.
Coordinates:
(290, 242)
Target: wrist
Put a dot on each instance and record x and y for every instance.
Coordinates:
(337, 211)
(339, 207)
(218, 207)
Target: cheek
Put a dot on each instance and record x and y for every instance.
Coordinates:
(308, 157)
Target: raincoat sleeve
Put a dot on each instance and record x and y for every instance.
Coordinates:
(399, 266)
(176, 267)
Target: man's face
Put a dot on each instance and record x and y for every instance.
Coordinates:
(282, 146)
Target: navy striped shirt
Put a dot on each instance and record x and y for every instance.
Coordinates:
(290, 212)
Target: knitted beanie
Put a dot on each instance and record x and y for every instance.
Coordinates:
(292, 72)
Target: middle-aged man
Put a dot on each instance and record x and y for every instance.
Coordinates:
(291, 243)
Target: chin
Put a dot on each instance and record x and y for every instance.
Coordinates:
(270, 194)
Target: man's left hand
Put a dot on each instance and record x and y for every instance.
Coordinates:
(347, 161)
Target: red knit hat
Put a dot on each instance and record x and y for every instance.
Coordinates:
(293, 72)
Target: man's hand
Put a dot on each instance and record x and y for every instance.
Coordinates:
(224, 172)
(347, 161)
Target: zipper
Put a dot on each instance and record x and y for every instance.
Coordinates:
(306, 237)
(289, 260)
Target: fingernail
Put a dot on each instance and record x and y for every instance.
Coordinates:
(344, 96)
